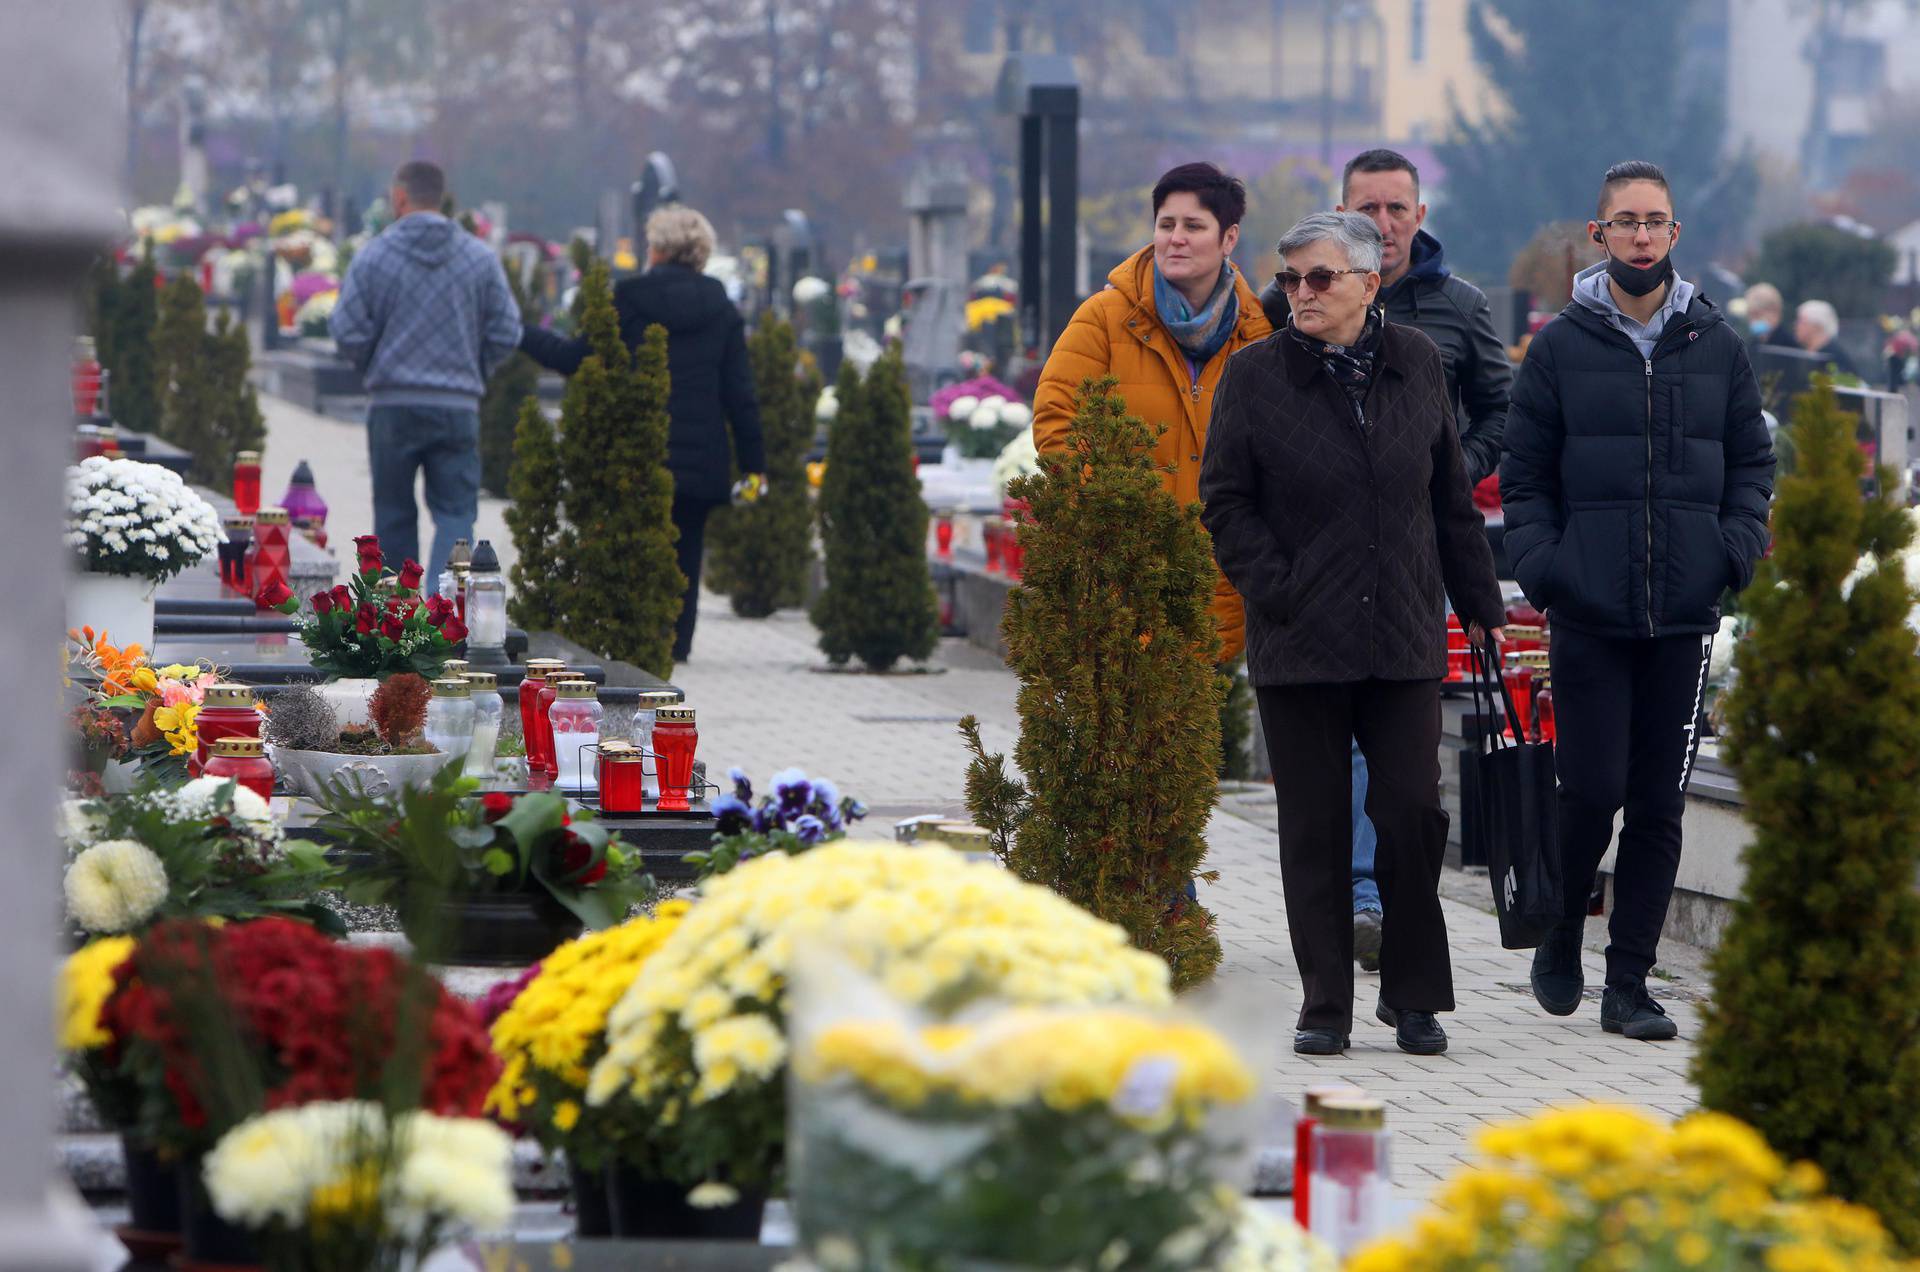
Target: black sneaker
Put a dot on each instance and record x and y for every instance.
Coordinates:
(1557, 979)
(1633, 1013)
(1366, 939)
(1418, 1033)
(1319, 1042)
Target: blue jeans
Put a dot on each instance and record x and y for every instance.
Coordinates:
(1366, 893)
(445, 441)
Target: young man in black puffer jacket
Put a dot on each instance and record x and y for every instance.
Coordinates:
(1636, 483)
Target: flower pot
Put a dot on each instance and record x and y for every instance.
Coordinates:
(509, 929)
(349, 699)
(317, 774)
(592, 1206)
(210, 1241)
(656, 1209)
(153, 1191)
(119, 605)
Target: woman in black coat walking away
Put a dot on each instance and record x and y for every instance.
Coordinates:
(712, 383)
(1337, 498)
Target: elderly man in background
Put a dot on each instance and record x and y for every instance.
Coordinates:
(1816, 328)
(1765, 311)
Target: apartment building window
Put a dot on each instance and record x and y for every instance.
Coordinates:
(1417, 31)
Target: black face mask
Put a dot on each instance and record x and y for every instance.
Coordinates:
(1635, 281)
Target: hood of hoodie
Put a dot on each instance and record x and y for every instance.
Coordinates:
(678, 298)
(425, 237)
(1590, 292)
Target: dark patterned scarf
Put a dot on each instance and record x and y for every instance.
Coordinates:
(1350, 366)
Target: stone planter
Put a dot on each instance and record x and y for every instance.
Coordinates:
(120, 605)
(496, 930)
(657, 1209)
(348, 698)
(319, 774)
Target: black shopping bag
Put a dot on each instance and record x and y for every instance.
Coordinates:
(1510, 785)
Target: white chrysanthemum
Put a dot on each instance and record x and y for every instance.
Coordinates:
(827, 405)
(811, 290)
(267, 1167)
(113, 504)
(79, 823)
(712, 1195)
(1018, 414)
(984, 418)
(452, 1169)
(963, 407)
(115, 886)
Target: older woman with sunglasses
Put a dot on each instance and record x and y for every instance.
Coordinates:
(1338, 502)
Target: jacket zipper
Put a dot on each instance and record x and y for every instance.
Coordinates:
(1649, 575)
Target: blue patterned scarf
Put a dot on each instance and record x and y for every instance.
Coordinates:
(1199, 335)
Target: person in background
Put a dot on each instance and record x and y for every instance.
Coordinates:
(1764, 312)
(1172, 315)
(1816, 328)
(711, 391)
(1417, 290)
(1636, 485)
(426, 315)
(1337, 497)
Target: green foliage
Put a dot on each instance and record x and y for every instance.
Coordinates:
(879, 605)
(1105, 633)
(1823, 262)
(1813, 1034)
(592, 516)
(207, 407)
(533, 517)
(1236, 722)
(758, 554)
(516, 380)
(1541, 158)
(126, 311)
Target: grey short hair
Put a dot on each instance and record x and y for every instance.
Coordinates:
(1820, 314)
(680, 236)
(1357, 234)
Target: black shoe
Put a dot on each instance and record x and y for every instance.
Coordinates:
(1557, 979)
(1633, 1012)
(1366, 939)
(1418, 1033)
(1318, 1042)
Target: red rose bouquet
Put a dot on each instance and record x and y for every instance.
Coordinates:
(216, 1024)
(357, 631)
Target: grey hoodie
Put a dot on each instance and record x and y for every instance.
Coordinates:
(425, 313)
(1591, 290)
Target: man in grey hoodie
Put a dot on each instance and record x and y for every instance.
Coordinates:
(426, 314)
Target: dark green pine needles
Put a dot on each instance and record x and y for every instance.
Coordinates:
(1813, 1035)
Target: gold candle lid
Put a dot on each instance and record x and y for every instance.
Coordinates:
(544, 667)
(654, 699)
(683, 715)
(481, 680)
(1353, 1113)
(272, 517)
(449, 688)
(453, 668)
(1538, 659)
(240, 748)
(619, 751)
(1314, 1098)
(229, 695)
(238, 521)
(573, 689)
(246, 457)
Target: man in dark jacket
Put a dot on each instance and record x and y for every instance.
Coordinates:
(711, 387)
(1636, 484)
(1417, 290)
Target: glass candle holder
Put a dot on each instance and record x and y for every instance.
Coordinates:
(532, 715)
(225, 712)
(1310, 1102)
(1543, 726)
(675, 739)
(246, 482)
(1352, 1182)
(543, 713)
(486, 612)
(488, 712)
(450, 719)
(1519, 681)
(303, 502)
(236, 551)
(271, 558)
(245, 761)
(644, 715)
(620, 769)
(575, 718)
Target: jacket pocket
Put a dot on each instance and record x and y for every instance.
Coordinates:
(1699, 568)
(1590, 575)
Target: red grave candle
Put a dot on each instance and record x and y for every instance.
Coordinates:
(226, 712)
(674, 741)
(246, 482)
(622, 769)
(244, 760)
(533, 716)
(270, 559)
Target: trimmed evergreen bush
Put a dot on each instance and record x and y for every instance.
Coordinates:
(1813, 1034)
(879, 605)
(1119, 706)
(533, 516)
(758, 554)
(1236, 722)
(513, 382)
(127, 311)
(207, 408)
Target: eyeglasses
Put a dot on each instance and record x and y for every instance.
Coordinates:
(1316, 279)
(1627, 229)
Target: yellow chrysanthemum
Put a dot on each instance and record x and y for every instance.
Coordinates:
(86, 982)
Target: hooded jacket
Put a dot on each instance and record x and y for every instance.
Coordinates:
(1455, 315)
(1636, 488)
(1117, 332)
(711, 392)
(425, 313)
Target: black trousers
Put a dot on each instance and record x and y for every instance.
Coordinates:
(1310, 733)
(1628, 716)
(690, 516)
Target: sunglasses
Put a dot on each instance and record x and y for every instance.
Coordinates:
(1316, 279)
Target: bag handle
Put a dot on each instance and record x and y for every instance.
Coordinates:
(1487, 661)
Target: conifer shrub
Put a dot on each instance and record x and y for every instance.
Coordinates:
(513, 382)
(758, 554)
(879, 605)
(1813, 1034)
(1236, 722)
(533, 517)
(127, 311)
(207, 408)
(1111, 636)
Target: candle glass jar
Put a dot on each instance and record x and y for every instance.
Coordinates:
(543, 718)
(488, 712)
(1352, 1184)
(532, 714)
(1519, 682)
(225, 712)
(450, 719)
(270, 561)
(644, 716)
(1543, 726)
(575, 719)
(246, 482)
(245, 761)
(236, 551)
(675, 739)
(620, 767)
(486, 612)
(454, 669)
(1310, 1103)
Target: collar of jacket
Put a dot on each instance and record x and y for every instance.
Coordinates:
(1428, 268)
(1701, 315)
(1133, 279)
(1302, 367)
